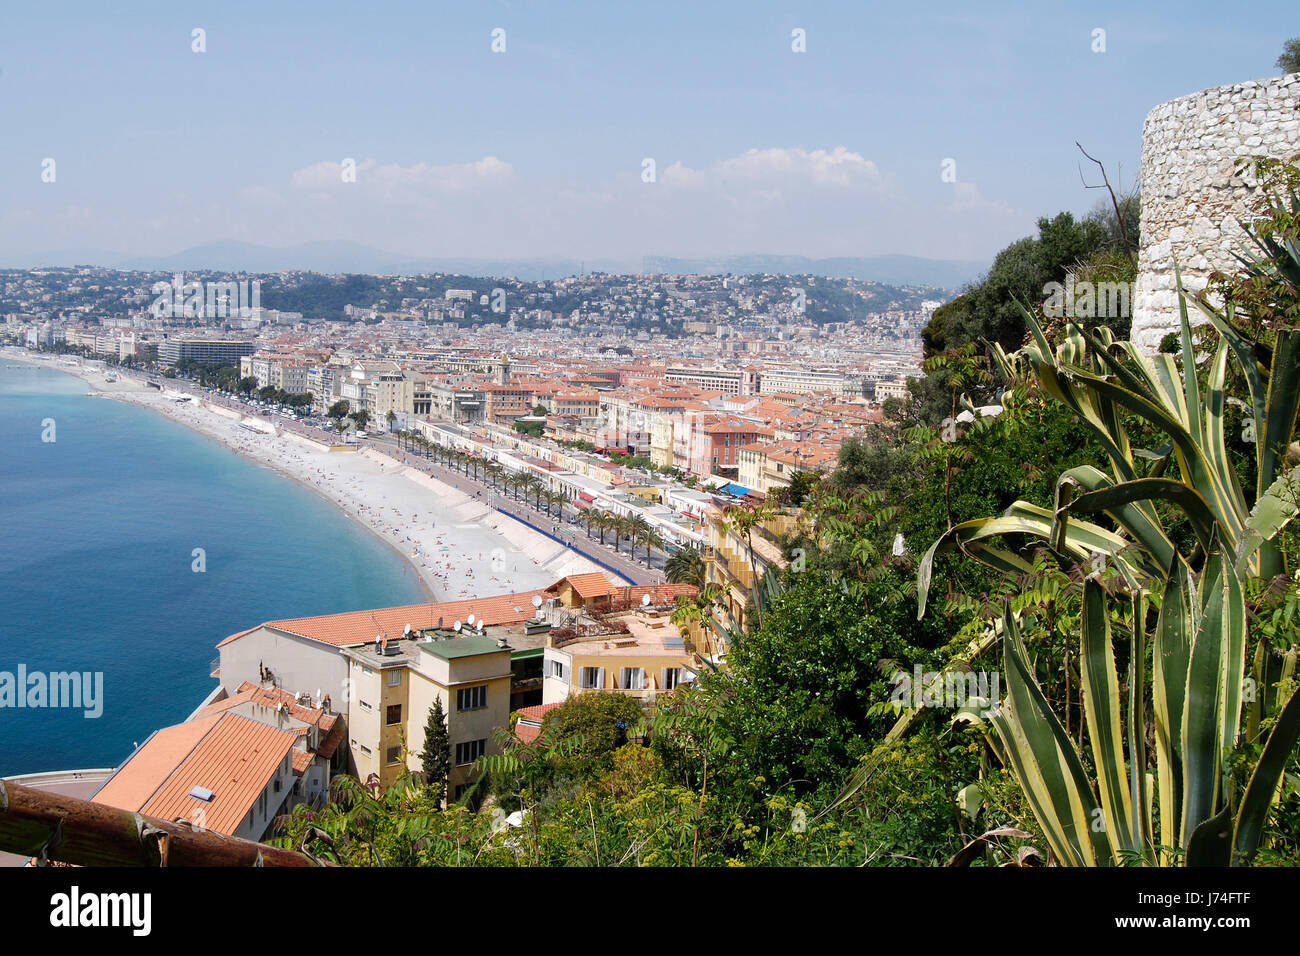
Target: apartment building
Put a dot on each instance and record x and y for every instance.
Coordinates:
(576, 404)
(716, 444)
(768, 466)
(894, 389)
(637, 652)
(307, 658)
(504, 403)
(729, 381)
(734, 565)
(394, 684)
(806, 382)
(206, 351)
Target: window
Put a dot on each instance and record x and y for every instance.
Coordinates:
(472, 698)
(394, 678)
(460, 790)
(364, 704)
(592, 677)
(365, 750)
(672, 677)
(471, 751)
(394, 715)
(632, 678)
(394, 755)
(557, 669)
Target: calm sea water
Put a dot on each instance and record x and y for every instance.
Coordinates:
(97, 534)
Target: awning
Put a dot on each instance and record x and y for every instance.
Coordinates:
(586, 497)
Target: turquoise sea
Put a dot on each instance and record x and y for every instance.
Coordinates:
(97, 536)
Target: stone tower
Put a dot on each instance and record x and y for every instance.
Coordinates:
(1191, 200)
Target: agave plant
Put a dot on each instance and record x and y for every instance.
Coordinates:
(1100, 380)
(1199, 643)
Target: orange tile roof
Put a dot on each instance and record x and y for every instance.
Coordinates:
(593, 584)
(301, 761)
(232, 756)
(360, 627)
(529, 726)
(151, 763)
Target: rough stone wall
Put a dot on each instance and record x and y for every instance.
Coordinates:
(1191, 200)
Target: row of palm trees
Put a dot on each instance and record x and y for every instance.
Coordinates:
(634, 529)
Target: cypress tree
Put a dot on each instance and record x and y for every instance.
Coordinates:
(436, 758)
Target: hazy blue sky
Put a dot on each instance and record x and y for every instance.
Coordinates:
(538, 151)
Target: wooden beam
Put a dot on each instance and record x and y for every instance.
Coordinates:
(89, 834)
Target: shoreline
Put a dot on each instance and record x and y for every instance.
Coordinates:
(456, 544)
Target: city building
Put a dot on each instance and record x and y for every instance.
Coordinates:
(205, 351)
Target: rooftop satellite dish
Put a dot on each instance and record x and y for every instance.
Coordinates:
(470, 620)
(645, 600)
(456, 627)
(537, 600)
(406, 630)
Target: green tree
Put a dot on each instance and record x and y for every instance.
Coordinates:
(602, 722)
(1289, 61)
(685, 567)
(435, 760)
(339, 409)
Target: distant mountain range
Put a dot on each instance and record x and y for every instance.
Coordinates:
(336, 256)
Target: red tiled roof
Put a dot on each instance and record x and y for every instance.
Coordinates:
(360, 627)
(232, 756)
(529, 726)
(301, 761)
(593, 584)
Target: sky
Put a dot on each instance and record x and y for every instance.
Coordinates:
(541, 150)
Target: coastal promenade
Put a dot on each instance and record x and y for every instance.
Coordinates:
(607, 556)
(457, 544)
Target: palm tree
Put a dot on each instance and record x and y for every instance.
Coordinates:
(637, 528)
(603, 520)
(652, 539)
(685, 567)
(619, 525)
(526, 484)
(493, 470)
(362, 418)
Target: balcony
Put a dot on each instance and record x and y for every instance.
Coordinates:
(214, 668)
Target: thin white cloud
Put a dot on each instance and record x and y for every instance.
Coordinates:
(394, 179)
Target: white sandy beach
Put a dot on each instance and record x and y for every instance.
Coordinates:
(459, 546)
